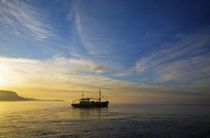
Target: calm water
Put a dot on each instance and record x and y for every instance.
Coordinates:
(58, 119)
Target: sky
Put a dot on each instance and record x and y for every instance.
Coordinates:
(142, 51)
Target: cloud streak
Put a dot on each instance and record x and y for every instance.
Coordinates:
(56, 68)
(96, 34)
(20, 18)
(89, 65)
(60, 74)
(183, 61)
(85, 32)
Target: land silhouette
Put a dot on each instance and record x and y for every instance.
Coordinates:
(13, 96)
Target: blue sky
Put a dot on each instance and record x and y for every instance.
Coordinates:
(141, 43)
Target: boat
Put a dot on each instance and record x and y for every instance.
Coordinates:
(89, 102)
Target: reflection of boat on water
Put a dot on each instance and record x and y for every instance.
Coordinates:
(90, 102)
(90, 113)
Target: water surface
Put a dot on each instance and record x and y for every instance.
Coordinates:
(59, 119)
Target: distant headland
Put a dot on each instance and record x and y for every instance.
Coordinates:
(13, 96)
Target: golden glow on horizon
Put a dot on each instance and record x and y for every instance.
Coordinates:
(60, 79)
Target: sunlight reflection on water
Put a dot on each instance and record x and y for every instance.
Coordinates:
(58, 119)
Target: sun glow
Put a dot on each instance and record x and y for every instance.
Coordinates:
(3, 74)
(8, 76)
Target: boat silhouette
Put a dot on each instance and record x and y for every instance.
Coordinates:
(89, 102)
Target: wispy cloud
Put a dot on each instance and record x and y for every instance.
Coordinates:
(58, 68)
(60, 74)
(20, 18)
(96, 36)
(89, 42)
(89, 65)
(184, 61)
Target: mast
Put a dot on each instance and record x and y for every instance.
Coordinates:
(99, 98)
(82, 94)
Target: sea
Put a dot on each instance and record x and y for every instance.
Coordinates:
(28, 119)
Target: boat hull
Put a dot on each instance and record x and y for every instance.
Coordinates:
(91, 105)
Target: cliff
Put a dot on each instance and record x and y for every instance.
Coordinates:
(12, 96)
